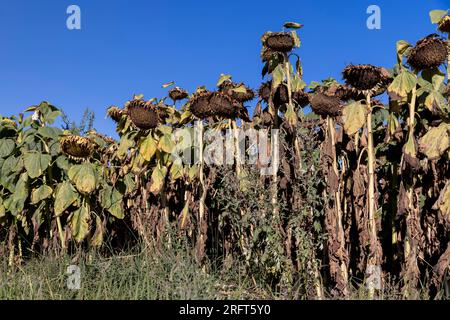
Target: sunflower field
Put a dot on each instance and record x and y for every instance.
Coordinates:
(360, 199)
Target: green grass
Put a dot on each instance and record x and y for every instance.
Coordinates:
(130, 275)
(145, 274)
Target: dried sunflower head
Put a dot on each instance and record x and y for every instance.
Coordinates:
(278, 41)
(106, 139)
(326, 105)
(7, 121)
(444, 24)
(212, 103)
(264, 91)
(237, 91)
(115, 113)
(266, 54)
(76, 147)
(143, 114)
(346, 93)
(301, 97)
(429, 52)
(280, 96)
(178, 94)
(365, 76)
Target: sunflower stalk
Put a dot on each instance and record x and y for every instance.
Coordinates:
(410, 248)
(337, 201)
(274, 111)
(448, 59)
(202, 239)
(289, 90)
(373, 255)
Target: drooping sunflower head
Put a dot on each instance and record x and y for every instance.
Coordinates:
(178, 94)
(7, 121)
(237, 91)
(301, 97)
(214, 103)
(76, 147)
(267, 53)
(280, 96)
(364, 76)
(94, 134)
(264, 91)
(429, 52)
(326, 105)
(143, 114)
(444, 24)
(278, 41)
(115, 113)
(346, 93)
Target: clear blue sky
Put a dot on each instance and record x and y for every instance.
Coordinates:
(134, 46)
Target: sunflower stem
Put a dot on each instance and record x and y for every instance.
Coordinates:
(201, 240)
(289, 89)
(448, 60)
(409, 245)
(337, 202)
(373, 255)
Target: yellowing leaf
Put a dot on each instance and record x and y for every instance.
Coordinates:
(137, 164)
(97, 237)
(402, 46)
(434, 100)
(240, 89)
(124, 145)
(444, 200)
(168, 84)
(297, 41)
(297, 83)
(436, 141)
(84, 177)
(148, 148)
(223, 77)
(278, 76)
(164, 129)
(79, 223)
(402, 84)
(111, 200)
(292, 25)
(41, 193)
(184, 214)
(392, 123)
(158, 176)
(436, 15)
(65, 196)
(410, 147)
(290, 115)
(2, 208)
(193, 172)
(166, 144)
(185, 117)
(353, 117)
(176, 170)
